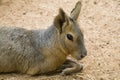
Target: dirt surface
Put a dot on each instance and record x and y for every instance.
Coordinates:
(99, 19)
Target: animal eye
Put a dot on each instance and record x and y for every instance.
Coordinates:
(70, 37)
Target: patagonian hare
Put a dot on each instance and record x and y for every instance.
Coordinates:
(41, 51)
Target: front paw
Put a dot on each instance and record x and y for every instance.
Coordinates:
(65, 72)
(74, 69)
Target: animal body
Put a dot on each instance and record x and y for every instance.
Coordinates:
(42, 51)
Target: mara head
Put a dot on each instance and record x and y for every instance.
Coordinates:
(70, 34)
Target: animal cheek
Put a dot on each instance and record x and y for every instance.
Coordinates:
(73, 55)
(76, 55)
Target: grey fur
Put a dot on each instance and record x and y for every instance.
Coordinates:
(40, 51)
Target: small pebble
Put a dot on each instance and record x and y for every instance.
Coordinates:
(95, 2)
(24, 13)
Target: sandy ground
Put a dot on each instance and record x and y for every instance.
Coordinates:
(99, 19)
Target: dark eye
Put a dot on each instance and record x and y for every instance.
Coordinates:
(70, 37)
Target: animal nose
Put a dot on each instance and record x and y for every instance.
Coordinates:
(84, 54)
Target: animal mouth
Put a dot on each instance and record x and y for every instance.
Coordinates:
(79, 58)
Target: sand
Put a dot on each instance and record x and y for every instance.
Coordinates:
(99, 20)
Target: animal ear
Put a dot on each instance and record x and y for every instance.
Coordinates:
(76, 11)
(60, 19)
